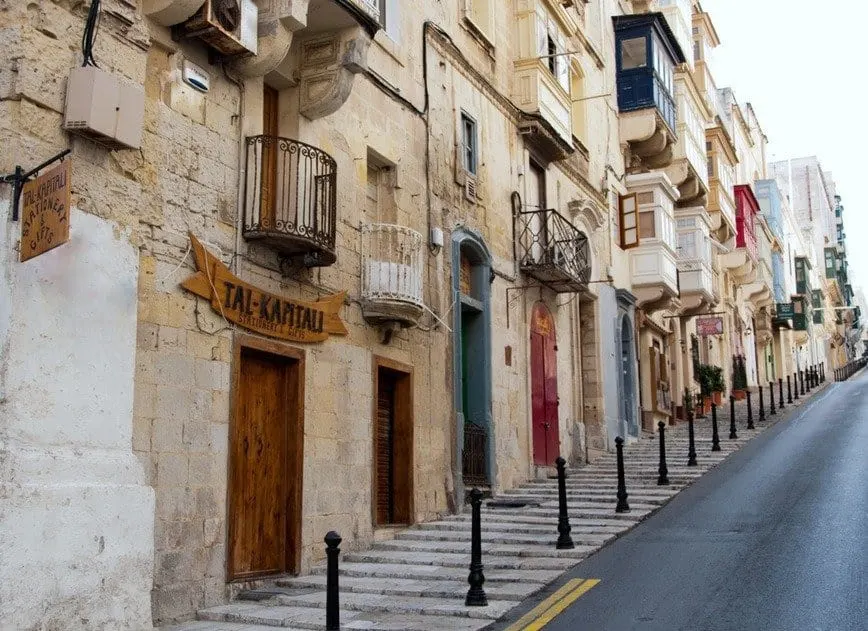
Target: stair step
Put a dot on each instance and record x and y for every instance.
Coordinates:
(432, 588)
(488, 549)
(313, 619)
(380, 603)
(439, 573)
(461, 560)
(520, 528)
(534, 539)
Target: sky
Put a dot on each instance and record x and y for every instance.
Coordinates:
(801, 64)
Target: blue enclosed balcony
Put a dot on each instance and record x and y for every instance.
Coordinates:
(646, 54)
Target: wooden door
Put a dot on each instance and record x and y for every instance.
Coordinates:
(544, 387)
(267, 211)
(393, 445)
(264, 493)
(385, 449)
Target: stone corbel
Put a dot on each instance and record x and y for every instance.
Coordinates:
(328, 65)
(170, 12)
(278, 21)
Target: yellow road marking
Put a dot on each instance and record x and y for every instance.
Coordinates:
(547, 610)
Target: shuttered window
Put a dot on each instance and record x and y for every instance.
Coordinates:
(629, 221)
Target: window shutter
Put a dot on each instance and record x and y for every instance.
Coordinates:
(629, 221)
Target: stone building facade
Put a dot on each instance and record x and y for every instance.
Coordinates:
(404, 249)
(490, 312)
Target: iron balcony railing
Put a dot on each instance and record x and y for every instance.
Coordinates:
(290, 199)
(552, 250)
(391, 264)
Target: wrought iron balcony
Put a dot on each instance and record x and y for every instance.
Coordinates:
(391, 274)
(290, 199)
(552, 250)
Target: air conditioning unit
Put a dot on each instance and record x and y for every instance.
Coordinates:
(470, 187)
(231, 27)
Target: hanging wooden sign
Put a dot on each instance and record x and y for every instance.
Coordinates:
(259, 310)
(45, 211)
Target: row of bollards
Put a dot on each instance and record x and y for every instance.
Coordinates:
(476, 597)
(848, 370)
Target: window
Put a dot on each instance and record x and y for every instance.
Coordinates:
(479, 15)
(578, 106)
(687, 246)
(469, 144)
(646, 224)
(382, 5)
(830, 263)
(634, 53)
(552, 52)
(629, 221)
(372, 192)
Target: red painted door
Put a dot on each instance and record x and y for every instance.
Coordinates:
(544, 386)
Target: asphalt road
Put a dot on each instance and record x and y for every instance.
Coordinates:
(775, 539)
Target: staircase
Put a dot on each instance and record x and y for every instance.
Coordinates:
(417, 581)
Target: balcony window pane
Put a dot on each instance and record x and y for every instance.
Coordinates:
(646, 224)
(634, 53)
(687, 245)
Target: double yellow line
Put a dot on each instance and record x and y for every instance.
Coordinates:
(551, 607)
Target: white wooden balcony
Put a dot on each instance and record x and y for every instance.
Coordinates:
(391, 274)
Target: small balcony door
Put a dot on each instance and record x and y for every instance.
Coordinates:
(536, 200)
(267, 214)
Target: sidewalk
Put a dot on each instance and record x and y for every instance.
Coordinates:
(417, 581)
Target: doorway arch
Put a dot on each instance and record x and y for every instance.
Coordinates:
(471, 356)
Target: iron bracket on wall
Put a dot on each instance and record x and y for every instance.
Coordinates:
(19, 177)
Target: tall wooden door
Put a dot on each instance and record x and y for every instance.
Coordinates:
(268, 199)
(544, 386)
(264, 505)
(393, 447)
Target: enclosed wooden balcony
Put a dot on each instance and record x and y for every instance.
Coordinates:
(552, 250)
(646, 56)
(742, 260)
(391, 274)
(290, 199)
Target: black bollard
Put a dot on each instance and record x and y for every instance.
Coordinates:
(565, 542)
(772, 398)
(662, 470)
(780, 393)
(691, 450)
(750, 424)
(808, 384)
(802, 382)
(333, 610)
(816, 376)
(796, 386)
(623, 506)
(762, 409)
(823, 372)
(732, 433)
(789, 390)
(476, 595)
(715, 437)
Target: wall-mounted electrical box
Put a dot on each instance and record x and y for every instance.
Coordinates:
(104, 108)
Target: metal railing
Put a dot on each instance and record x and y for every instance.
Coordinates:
(391, 263)
(552, 250)
(290, 198)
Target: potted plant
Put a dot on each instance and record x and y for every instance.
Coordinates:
(739, 378)
(706, 386)
(717, 383)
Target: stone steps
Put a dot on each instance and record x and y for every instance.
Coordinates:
(417, 580)
(421, 588)
(436, 572)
